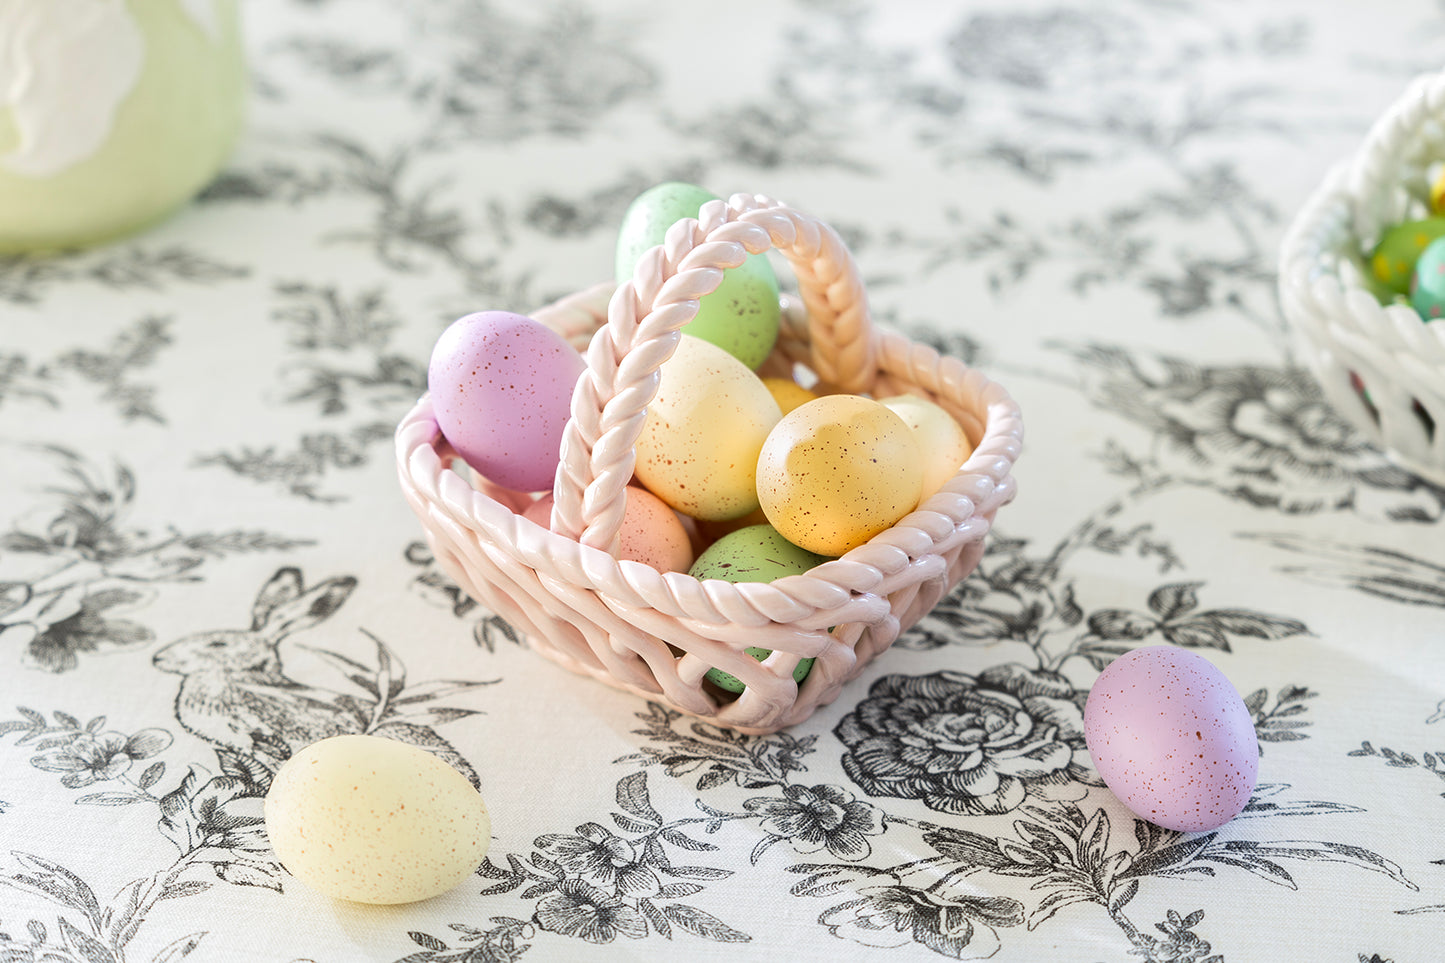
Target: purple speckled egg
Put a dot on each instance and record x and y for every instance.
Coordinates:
(1172, 738)
(501, 388)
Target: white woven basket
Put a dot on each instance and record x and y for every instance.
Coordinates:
(658, 634)
(1398, 359)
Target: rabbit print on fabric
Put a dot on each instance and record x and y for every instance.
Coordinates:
(236, 695)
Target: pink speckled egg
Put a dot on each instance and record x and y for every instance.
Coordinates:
(1172, 738)
(501, 387)
(651, 533)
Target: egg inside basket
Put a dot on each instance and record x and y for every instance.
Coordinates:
(658, 634)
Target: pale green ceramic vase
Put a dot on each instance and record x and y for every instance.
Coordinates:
(113, 113)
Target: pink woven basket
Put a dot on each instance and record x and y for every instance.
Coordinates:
(657, 634)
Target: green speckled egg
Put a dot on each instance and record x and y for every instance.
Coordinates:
(1393, 260)
(741, 316)
(1427, 288)
(753, 554)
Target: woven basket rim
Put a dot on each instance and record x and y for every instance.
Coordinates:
(1311, 262)
(659, 634)
(981, 485)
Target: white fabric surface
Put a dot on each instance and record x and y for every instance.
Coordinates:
(1084, 200)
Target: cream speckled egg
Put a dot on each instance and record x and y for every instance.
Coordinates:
(374, 820)
(944, 445)
(838, 471)
(699, 446)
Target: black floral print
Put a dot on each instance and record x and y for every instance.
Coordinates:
(205, 563)
(1262, 435)
(820, 817)
(966, 744)
(889, 916)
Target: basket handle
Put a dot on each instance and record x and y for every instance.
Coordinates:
(609, 403)
(1388, 169)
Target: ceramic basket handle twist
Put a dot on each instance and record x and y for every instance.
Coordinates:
(644, 318)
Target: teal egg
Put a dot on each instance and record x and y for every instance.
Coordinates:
(753, 554)
(741, 316)
(1427, 287)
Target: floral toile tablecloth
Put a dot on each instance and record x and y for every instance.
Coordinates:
(197, 495)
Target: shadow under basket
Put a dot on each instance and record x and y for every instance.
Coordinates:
(1381, 366)
(658, 634)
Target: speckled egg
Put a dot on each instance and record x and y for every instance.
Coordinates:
(944, 445)
(699, 446)
(374, 820)
(741, 316)
(1437, 194)
(788, 393)
(501, 388)
(754, 554)
(1392, 263)
(837, 471)
(651, 533)
(1427, 287)
(1172, 738)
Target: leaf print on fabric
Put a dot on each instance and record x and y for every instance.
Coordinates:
(324, 317)
(438, 588)
(1042, 50)
(967, 744)
(89, 759)
(597, 885)
(216, 825)
(82, 563)
(1431, 762)
(1180, 943)
(86, 629)
(816, 818)
(1173, 617)
(1263, 435)
(235, 693)
(24, 278)
(1374, 570)
(1279, 724)
(300, 470)
(329, 325)
(503, 943)
(133, 349)
(891, 915)
(511, 79)
(718, 756)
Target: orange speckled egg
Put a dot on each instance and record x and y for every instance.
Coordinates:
(699, 446)
(788, 393)
(944, 445)
(651, 532)
(838, 471)
(374, 820)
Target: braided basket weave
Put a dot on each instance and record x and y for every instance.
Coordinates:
(658, 634)
(1354, 344)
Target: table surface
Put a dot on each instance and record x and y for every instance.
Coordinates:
(1084, 201)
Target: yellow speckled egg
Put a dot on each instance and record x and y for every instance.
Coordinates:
(941, 439)
(698, 450)
(838, 471)
(788, 393)
(374, 820)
